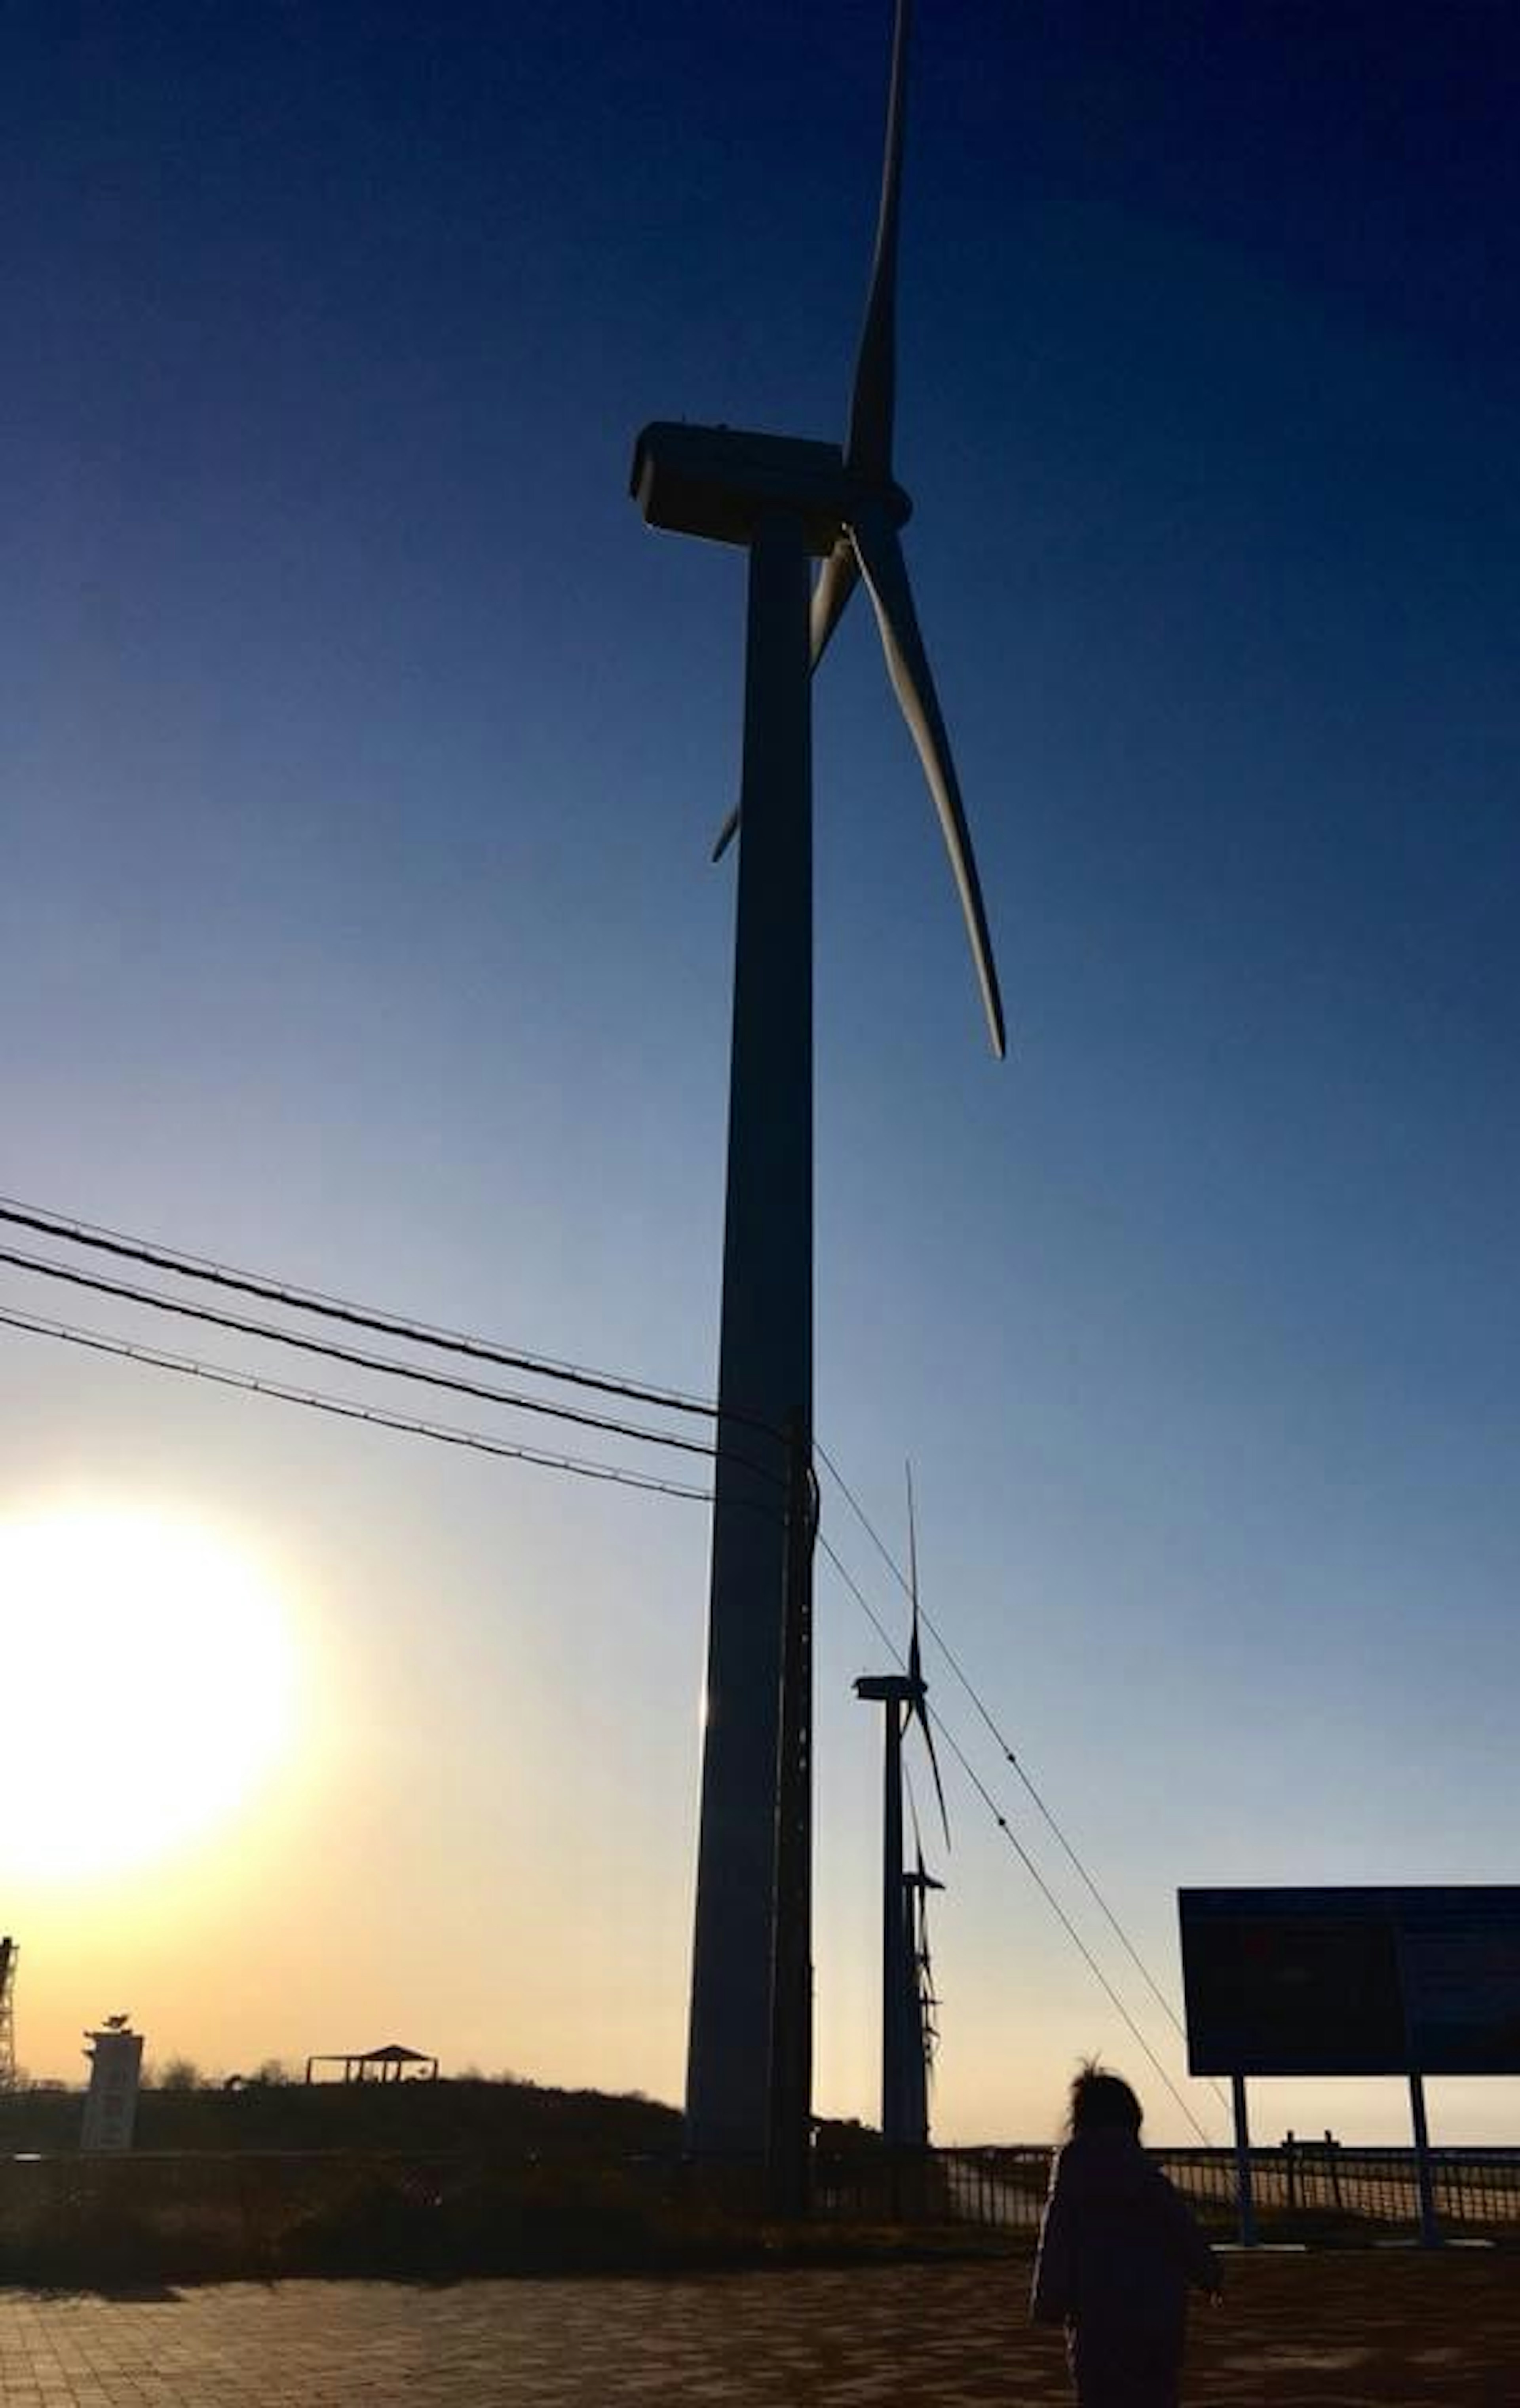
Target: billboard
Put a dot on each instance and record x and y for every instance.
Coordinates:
(1352, 1981)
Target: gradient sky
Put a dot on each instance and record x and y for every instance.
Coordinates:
(363, 753)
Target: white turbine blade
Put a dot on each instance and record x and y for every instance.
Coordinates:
(836, 582)
(886, 578)
(867, 447)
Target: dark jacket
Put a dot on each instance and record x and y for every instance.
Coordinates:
(1118, 2251)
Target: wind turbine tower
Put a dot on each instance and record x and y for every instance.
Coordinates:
(787, 503)
(904, 2067)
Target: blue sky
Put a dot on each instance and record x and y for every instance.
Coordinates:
(364, 752)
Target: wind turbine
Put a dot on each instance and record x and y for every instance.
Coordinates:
(904, 2068)
(923, 2031)
(787, 502)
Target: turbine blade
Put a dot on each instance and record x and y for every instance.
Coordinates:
(922, 1886)
(917, 1709)
(913, 1573)
(922, 1711)
(928, 2003)
(886, 578)
(868, 448)
(837, 580)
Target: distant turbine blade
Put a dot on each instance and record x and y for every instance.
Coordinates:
(917, 1708)
(868, 448)
(922, 1711)
(727, 834)
(927, 2001)
(836, 582)
(908, 664)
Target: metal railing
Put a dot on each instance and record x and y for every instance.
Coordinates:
(1302, 2189)
(250, 2211)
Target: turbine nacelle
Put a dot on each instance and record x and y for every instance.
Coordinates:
(889, 1688)
(724, 481)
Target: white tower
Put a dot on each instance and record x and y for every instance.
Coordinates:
(110, 2106)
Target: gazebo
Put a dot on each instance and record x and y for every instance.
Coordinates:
(391, 2063)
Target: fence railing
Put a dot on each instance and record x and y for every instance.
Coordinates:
(243, 2209)
(1302, 2189)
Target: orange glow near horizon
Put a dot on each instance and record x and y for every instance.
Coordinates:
(153, 1670)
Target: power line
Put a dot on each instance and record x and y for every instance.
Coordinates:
(1021, 1853)
(126, 1291)
(176, 1263)
(1010, 1754)
(345, 1408)
(331, 1307)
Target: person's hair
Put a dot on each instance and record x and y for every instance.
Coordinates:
(1102, 2103)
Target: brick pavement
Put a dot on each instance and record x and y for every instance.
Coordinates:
(848, 2338)
(1355, 2331)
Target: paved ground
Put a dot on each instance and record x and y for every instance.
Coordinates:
(1370, 2332)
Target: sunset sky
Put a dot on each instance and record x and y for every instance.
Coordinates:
(363, 750)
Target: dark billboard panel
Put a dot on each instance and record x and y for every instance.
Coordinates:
(1352, 1981)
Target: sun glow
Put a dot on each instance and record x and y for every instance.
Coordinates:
(150, 1680)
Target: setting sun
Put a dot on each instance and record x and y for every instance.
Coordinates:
(151, 1674)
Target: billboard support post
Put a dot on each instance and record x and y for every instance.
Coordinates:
(1245, 2199)
(1429, 2225)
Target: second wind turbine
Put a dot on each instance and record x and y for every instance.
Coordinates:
(907, 1982)
(788, 503)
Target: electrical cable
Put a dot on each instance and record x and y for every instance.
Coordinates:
(1025, 1858)
(1010, 1756)
(176, 1263)
(388, 1324)
(344, 1408)
(126, 1291)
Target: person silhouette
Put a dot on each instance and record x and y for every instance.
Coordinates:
(1118, 2253)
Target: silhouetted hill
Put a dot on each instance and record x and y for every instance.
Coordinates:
(510, 2117)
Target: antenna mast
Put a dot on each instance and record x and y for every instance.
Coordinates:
(8, 1954)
